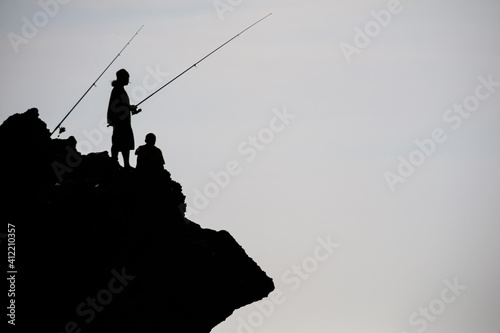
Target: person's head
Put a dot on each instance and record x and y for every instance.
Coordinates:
(122, 78)
(150, 139)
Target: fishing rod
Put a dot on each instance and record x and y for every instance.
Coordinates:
(166, 84)
(93, 84)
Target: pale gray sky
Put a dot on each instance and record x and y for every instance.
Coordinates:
(310, 116)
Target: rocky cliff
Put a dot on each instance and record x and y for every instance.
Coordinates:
(103, 249)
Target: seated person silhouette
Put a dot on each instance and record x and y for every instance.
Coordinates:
(149, 157)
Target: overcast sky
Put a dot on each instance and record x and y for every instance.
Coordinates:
(352, 148)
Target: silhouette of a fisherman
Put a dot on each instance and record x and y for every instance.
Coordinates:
(149, 157)
(119, 116)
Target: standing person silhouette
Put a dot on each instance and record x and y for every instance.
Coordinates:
(119, 116)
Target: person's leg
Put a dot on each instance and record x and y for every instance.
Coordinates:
(114, 153)
(126, 155)
(114, 148)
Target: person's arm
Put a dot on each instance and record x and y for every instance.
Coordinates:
(161, 156)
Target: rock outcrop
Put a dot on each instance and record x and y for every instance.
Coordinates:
(104, 249)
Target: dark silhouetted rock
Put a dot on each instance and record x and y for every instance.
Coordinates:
(105, 249)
